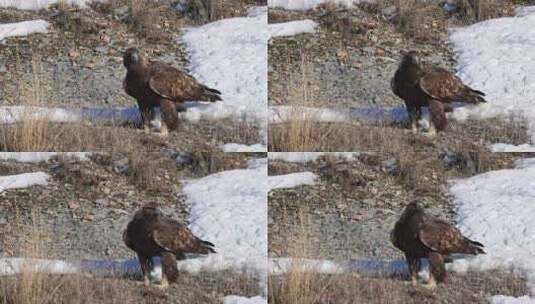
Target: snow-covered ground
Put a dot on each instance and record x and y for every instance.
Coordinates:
(23, 180)
(501, 147)
(23, 28)
(229, 208)
(13, 114)
(244, 300)
(304, 157)
(281, 114)
(291, 180)
(497, 208)
(292, 28)
(37, 157)
(40, 4)
(496, 57)
(309, 4)
(231, 55)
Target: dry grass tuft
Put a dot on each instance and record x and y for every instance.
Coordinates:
(32, 132)
(472, 11)
(150, 171)
(145, 17)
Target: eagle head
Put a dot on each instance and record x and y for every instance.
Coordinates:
(410, 59)
(131, 57)
(412, 208)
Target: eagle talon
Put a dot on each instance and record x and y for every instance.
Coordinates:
(164, 132)
(146, 281)
(164, 284)
(432, 284)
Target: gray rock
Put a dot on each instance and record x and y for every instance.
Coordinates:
(121, 166)
(101, 202)
(390, 12)
(182, 158)
(3, 67)
(121, 13)
(390, 165)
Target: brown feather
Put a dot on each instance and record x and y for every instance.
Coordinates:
(420, 235)
(150, 234)
(153, 83)
(418, 86)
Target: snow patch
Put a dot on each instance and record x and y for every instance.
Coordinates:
(309, 4)
(496, 57)
(281, 114)
(229, 208)
(501, 147)
(13, 114)
(23, 28)
(292, 28)
(231, 55)
(24, 180)
(233, 147)
(291, 180)
(304, 157)
(497, 209)
(37, 157)
(244, 300)
(278, 266)
(511, 300)
(41, 4)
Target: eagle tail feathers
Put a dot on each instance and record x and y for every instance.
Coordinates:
(474, 247)
(210, 94)
(207, 247)
(474, 96)
(478, 92)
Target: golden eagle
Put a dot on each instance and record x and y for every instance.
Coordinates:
(150, 233)
(432, 87)
(156, 84)
(420, 235)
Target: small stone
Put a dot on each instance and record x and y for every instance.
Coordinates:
(390, 165)
(101, 202)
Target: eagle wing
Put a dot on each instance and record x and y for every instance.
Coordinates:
(441, 237)
(444, 86)
(170, 83)
(126, 239)
(177, 238)
(393, 85)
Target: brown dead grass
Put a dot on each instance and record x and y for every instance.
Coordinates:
(308, 288)
(472, 11)
(476, 135)
(38, 134)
